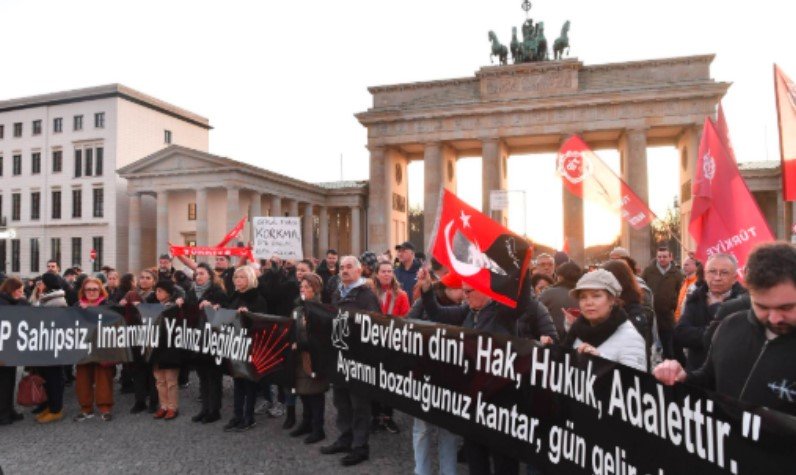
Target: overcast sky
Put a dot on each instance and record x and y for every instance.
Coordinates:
(280, 81)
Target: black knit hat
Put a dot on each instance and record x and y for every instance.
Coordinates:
(167, 285)
(51, 281)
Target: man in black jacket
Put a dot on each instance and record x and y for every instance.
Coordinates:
(353, 410)
(752, 353)
(721, 285)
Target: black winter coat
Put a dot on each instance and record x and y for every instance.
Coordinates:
(252, 299)
(665, 290)
(697, 314)
(493, 318)
(6, 299)
(359, 298)
(743, 364)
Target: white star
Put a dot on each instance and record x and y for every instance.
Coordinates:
(465, 219)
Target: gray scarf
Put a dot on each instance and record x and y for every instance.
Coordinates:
(201, 289)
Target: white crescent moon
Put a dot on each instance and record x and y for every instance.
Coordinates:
(462, 268)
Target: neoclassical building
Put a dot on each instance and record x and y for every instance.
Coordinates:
(184, 196)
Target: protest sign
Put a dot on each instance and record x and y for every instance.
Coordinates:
(277, 236)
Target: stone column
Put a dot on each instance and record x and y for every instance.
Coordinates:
(782, 232)
(162, 234)
(634, 173)
(334, 229)
(202, 238)
(688, 146)
(379, 209)
(292, 208)
(276, 205)
(493, 172)
(134, 256)
(323, 234)
(307, 238)
(573, 225)
(255, 210)
(356, 231)
(433, 175)
(233, 208)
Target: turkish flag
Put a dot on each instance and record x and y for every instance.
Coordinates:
(724, 215)
(786, 113)
(586, 176)
(487, 256)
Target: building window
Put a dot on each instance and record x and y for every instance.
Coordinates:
(97, 247)
(77, 123)
(167, 136)
(99, 199)
(56, 204)
(100, 155)
(35, 163)
(77, 203)
(16, 166)
(3, 256)
(15, 255)
(55, 250)
(77, 250)
(1, 165)
(37, 127)
(2, 135)
(78, 163)
(16, 206)
(99, 120)
(58, 125)
(18, 129)
(191, 211)
(35, 205)
(89, 153)
(34, 254)
(58, 161)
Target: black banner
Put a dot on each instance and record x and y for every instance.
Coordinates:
(251, 345)
(551, 407)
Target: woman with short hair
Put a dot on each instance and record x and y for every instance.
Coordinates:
(246, 297)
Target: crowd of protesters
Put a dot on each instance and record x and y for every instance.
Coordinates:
(709, 329)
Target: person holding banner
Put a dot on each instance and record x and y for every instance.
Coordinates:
(309, 386)
(208, 291)
(603, 328)
(166, 361)
(245, 298)
(143, 374)
(12, 292)
(52, 410)
(353, 410)
(94, 381)
(751, 357)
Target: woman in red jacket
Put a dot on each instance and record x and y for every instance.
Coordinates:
(394, 302)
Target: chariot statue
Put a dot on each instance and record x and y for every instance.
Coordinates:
(533, 46)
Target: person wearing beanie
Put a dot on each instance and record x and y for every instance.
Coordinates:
(603, 328)
(52, 410)
(166, 360)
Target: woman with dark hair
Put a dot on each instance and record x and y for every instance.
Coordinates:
(631, 298)
(310, 387)
(603, 328)
(143, 291)
(539, 282)
(556, 297)
(125, 285)
(208, 291)
(93, 381)
(166, 360)
(12, 292)
(52, 410)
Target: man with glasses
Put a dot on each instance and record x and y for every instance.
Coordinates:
(721, 284)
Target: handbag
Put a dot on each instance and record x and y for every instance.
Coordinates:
(31, 390)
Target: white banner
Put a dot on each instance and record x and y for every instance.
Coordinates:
(277, 236)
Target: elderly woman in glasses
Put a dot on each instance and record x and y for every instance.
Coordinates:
(94, 381)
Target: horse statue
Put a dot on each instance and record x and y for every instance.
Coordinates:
(498, 49)
(541, 43)
(562, 42)
(516, 47)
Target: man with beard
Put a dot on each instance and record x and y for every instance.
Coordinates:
(752, 353)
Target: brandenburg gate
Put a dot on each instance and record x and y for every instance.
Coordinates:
(532, 108)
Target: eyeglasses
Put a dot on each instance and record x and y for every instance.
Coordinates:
(721, 273)
(92, 289)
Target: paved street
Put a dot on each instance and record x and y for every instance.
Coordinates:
(139, 444)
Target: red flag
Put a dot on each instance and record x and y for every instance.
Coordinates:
(233, 233)
(786, 113)
(724, 215)
(487, 256)
(211, 251)
(586, 176)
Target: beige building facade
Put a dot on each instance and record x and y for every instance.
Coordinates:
(184, 196)
(59, 194)
(533, 108)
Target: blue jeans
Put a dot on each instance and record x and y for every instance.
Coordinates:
(447, 445)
